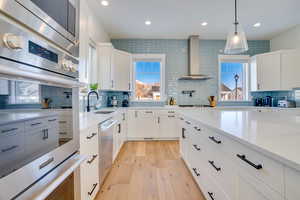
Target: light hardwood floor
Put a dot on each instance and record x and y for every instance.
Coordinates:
(149, 171)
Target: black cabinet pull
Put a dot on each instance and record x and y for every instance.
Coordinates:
(45, 134)
(94, 187)
(183, 133)
(52, 120)
(215, 140)
(211, 195)
(9, 130)
(195, 171)
(197, 129)
(171, 116)
(90, 137)
(196, 147)
(62, 122)
(119, 128)
(187, 122)
(243, 158)
(9, 148)
(149, 112)
(92, 159)
(214, 166)
(35, 124)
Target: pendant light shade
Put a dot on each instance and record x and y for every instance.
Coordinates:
(236, 40)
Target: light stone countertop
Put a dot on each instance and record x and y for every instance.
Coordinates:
(14, 117)
(275, 134)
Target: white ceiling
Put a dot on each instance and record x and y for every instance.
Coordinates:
(181, 18)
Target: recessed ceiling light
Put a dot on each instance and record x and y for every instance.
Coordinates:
(256, 25)
(204, 24)
(105, 3)
(148, 22)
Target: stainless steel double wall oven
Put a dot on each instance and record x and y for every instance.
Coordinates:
(39, 91)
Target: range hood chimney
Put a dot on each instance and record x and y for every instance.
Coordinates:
(194, 70)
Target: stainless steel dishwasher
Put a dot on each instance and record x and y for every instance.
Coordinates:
(106, 130)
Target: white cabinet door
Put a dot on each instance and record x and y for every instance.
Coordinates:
(268, 71)
(105, 62)
(168, 127)
(121, 70)
(250, 189)
(4, 90)
(292, 178)
(290, 69)
(142, 124)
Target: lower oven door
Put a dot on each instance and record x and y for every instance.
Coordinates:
(39, 129)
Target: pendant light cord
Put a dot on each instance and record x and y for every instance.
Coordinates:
(235, 17)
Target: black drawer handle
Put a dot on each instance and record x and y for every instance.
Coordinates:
(195, 171)
(45, 164)
(62, 122)
(183, 133)
(52, 120)
(35, 124)
(9, 148)
(94, 187)
(243, 158)
(9, 130)
(214, 166)
(119, 128)
(149, 112)
(187, 122)
(215, 140)
(45, 134)
(90, 137)
(196, 147)
(211, 195)
(63, 133)
(92, 159)
(197, 129)
(171, 111)
(171, 116)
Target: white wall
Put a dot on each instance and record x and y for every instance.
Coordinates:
(287, 40)
(91, 29)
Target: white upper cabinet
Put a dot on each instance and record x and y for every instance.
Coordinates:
(105, 65)
(290, 70)
(114, 68)
(4, 89)
(121, 70)
(275, 71)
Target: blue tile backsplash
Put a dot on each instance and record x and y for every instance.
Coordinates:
(177, 63)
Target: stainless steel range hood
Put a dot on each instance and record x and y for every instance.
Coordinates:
(194, 70)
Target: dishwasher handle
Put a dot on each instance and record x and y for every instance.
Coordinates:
(106, 126)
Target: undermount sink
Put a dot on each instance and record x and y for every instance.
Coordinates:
(104, 112)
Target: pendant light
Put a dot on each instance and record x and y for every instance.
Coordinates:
(236, 40)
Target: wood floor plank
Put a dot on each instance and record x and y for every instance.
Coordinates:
(151, 170)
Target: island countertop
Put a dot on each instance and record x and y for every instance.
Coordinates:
(276, 134)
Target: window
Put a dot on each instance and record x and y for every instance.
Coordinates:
(234, 72)
(24, 92)
(149, 77)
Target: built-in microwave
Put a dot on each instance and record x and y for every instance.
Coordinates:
(39, 109)
(56, 20)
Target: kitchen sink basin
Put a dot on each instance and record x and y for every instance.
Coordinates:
(104, 112)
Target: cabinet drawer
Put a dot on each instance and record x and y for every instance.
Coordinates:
(36, 124)
(11, 129)
(211, 191)
(90, 174)
(292, 178)
(260, 166)
(89, 142)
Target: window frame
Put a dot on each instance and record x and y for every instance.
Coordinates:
(149, 57)
(246, 73)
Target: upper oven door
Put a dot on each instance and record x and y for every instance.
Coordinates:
(56, 20)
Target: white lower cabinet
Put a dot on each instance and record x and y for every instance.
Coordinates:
(152, 124)
(292, 181)
(89, 169)
(221, 175)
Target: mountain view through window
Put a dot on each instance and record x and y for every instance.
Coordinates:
(147, 80)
